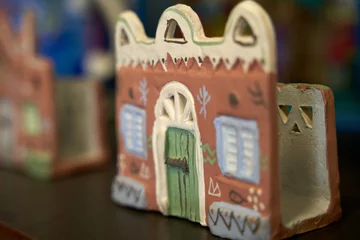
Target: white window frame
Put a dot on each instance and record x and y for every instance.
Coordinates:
(242, 128)
(137, 145)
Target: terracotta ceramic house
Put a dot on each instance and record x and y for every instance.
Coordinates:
(48, 128)
(206, 134)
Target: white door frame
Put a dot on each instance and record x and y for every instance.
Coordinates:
(175, 107)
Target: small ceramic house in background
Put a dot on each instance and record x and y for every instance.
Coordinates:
(206, 134)
(47, 128)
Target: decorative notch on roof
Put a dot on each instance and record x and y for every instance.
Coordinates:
(248, 38)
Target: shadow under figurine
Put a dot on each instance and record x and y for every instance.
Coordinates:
(206, 133)
(47, 128)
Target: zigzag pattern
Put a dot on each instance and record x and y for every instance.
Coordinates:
(253, 226)
(210, 160)
(207, 149)
(129, 190)
(193, 63)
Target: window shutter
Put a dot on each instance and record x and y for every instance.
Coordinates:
(133, 128)
(237, 148)
(137, 131)
(247, 163)
(230, 146)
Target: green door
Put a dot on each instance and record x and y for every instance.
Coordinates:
(182, 179)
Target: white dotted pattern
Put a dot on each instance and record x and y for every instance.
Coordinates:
(253, 197)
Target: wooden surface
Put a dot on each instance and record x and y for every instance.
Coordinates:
(80, 208)
(8, 233)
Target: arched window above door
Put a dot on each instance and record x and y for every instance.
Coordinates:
(176, 107)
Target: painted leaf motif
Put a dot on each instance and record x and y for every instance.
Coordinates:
(203, 98)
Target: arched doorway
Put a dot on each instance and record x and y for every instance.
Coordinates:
(177, 155)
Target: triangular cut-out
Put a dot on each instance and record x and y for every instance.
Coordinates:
(295, 128)
(174, 33)
(245, 29)
(307, 115)
(124, 39)
(284, 112)
(244, 34)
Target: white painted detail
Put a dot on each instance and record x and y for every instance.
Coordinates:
(144, 50)
(144, 90)
(175, 108)
(122, 163)
(214, 189)
(254, 197)
(204, 98)
(145, 171)
(230, 147)
(262, 206)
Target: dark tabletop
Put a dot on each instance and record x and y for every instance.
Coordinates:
(80, 208)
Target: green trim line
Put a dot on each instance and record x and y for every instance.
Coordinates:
(128, 26)
(207, 148)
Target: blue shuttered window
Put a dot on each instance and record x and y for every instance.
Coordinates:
(237, 146)
(133, 129)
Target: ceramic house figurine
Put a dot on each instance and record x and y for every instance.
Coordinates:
(47, 128)
(206, 134)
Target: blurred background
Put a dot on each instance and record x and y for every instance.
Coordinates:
(317, 40)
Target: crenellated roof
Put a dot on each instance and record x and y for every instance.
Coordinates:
(257, 45)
